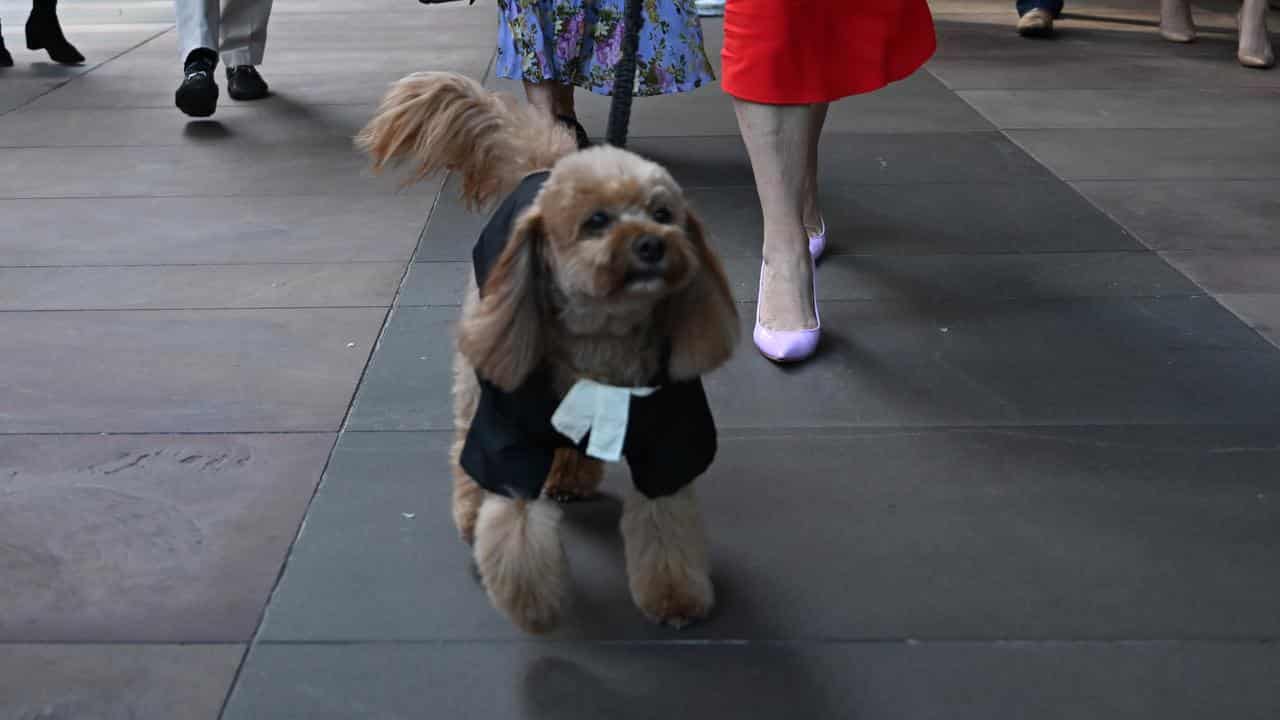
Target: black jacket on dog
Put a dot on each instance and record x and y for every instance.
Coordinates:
(670, 436)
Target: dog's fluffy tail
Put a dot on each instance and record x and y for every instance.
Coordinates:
(446, 121)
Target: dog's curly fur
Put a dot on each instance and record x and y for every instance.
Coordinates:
(568, 292)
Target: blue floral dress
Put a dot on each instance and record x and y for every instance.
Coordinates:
(578, 42)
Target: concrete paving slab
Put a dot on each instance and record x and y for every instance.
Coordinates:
(196, 287)
(147, 538)
(996, 533)
(182, 370)
(115, 682)
(1192, 215)
(1176, 154)
(213, 163)
(212, 230)
(1228, 108)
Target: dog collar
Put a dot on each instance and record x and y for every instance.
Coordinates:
(602, 410)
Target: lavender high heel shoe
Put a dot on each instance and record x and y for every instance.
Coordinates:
(817, 241)
(786, 346)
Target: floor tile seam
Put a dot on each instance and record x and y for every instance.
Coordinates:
(1136, 251)
(353, 196)
(1265, 640)
(1070, 54)
(1272, 130)
(364, 195)
(1043, 430)
(929, 302)
(194, 265)
(398, 196)
(122, 643)
(168, 106)
(76, 76)
(958, 89)
(1130, 91)
(1166, 179)
(191, 308)
(838, 301)
(1105, 128)
(325, 140)
(243, 143)
(1069, 182)
(1228, 252)
(905, 256)
(84, 432)
(342, 427)
(174, 433)
(725, 429)
(1200, 180)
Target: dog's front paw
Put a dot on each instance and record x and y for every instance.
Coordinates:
(673, 601)
(667, 563)
(521, 562)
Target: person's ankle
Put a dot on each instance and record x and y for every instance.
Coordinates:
(782, 250)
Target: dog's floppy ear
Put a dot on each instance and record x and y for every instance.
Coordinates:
(702, 321)
(502, 336)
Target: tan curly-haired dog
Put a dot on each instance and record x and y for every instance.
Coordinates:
(606, 276)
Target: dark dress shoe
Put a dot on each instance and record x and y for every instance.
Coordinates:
(244, 83)
(197, 96)
(571, 122)
(44, 32)
(6, 60)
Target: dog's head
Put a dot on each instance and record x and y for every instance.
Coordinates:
(610, 234)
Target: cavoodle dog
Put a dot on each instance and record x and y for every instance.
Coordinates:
(595, 308)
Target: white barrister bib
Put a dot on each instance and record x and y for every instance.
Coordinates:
(599, 409)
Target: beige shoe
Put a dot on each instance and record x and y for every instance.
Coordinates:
(1254, 50)
(1037, 23)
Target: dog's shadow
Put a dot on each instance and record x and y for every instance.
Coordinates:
(613, 665)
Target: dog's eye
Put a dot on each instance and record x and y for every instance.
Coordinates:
(597, 221)
(662, 215)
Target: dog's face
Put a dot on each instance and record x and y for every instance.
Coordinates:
(610, 233)
(616, 231)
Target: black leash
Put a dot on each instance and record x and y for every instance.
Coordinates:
(624, 81)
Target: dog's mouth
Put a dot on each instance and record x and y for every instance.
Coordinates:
(645, 279)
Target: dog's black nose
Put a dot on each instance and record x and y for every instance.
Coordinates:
(649, 249)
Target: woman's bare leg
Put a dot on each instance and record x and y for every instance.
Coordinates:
(1255, 42)
(812, 212)
(781, 144)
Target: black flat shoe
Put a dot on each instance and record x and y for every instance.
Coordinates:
(6, 60)
(197, 96)
(244, 83)
(571, 122)
(44, 32)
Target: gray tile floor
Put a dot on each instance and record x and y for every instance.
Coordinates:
(1033, 473)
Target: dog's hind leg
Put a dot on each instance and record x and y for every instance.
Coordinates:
(667, 561)
(573, 476)
(521, 561)
(467, 495)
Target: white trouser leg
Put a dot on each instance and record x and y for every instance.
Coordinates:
(244, 31)
(197, 25)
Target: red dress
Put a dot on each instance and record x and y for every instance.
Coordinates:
(793, 52)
